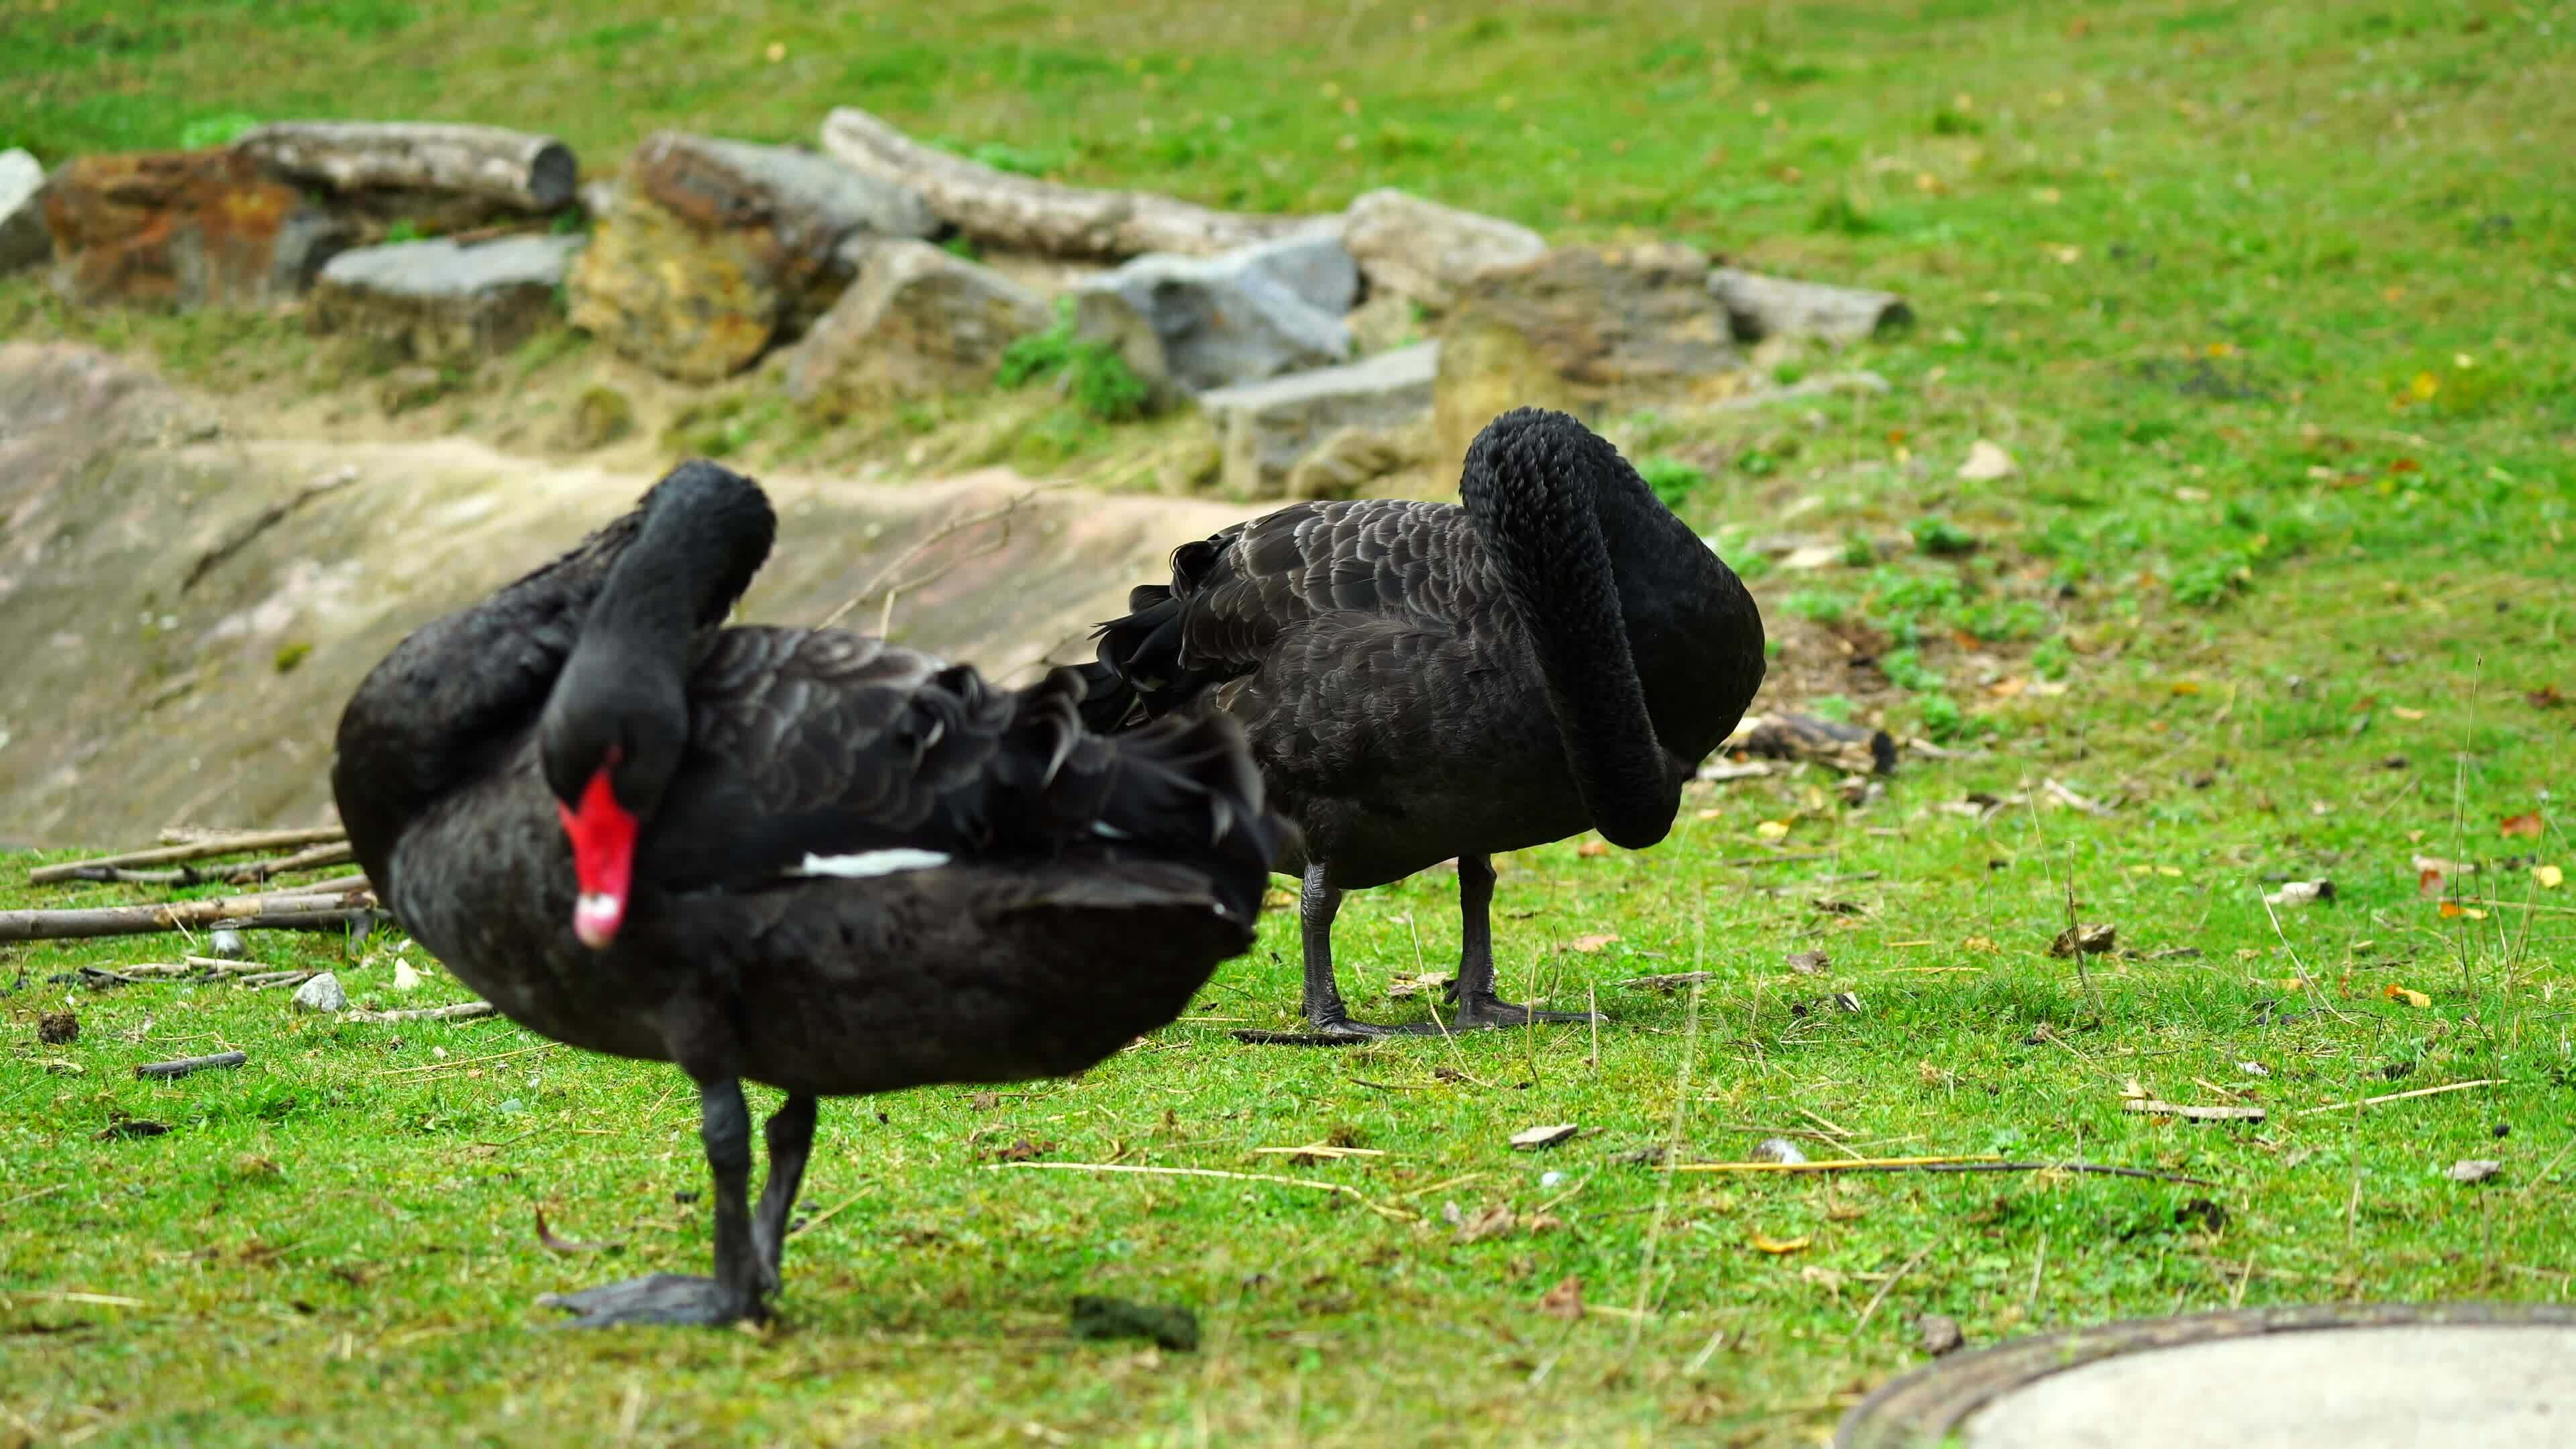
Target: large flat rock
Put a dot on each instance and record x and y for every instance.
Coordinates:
(176, 658)
(1266, 427)
(435, 301)
(1193, 324)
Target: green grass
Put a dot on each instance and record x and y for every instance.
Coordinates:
(2268, 303)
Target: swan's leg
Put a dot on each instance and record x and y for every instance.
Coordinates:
(1317, 903)
(735, 1291)
(1478, 1006)
(791, 1139)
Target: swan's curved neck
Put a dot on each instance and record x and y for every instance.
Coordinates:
(1563, 520)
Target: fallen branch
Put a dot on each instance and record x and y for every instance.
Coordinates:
(2191, 1113)
(465, 1011)
(1758, 306)
(2399, 1096)
(336, 853)
(1352, 1193)
(346, 918)
(185, 1065)
(169, 916)
(194, 850)
(1022, 213)
(1988, 1162)
(532, 173)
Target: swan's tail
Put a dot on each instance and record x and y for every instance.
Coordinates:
(1181, 788)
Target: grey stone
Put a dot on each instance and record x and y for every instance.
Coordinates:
(226, 946)
(1265, 427)
(433, 301)
(23, 242)
(1426, 251)
(919, 320)
(322, 993)
(852, 199)
(1195, 323)
(2419, 1386)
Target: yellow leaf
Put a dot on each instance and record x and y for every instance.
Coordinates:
(1977, 943)
(2424, 386)
(2402, 712)
(1592, 848)
(1772, 829)
(2172, 870)
(2549, 876)
(2453, 910)
(2396, 992)
(1589, 944)
(1763, 1244)
(2186, 686)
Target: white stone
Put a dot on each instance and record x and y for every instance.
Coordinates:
(322, 993)
(23, 239)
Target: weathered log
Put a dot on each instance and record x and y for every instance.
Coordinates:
(185, 1065)
(1022, 213)
(465, 1011)
(532, 173)
(1758, 306)
(194, 850)
(170, 916)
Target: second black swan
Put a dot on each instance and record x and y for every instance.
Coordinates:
(799, 857)
(1423, 681)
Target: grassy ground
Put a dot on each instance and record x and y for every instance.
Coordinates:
(2267, 302)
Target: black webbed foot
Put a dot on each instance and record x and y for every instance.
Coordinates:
(666, 1298)
(1337, 1030)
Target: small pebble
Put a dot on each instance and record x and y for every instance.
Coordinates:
(1939, 1333)
(1550, 1179)
(1777, 1149)
(2475, 1169)
(227, 946)
(322, 993)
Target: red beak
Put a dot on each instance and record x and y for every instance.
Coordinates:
(603, 860)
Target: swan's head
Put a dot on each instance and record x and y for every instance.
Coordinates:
(611, 740)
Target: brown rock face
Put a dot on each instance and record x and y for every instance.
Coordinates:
(918, 321)
(183, 229)
(716, 249)
(1584, 329)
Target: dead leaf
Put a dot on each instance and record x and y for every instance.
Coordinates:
(1493, 1222)
(2402, 712)
(984, 1101)
(2474, 1169)
(1591, 848)
(1408, 984)
(2545, 697)
(552, 1244)
(2411, 997)
(2186, 686)
(1673, 982)
(1763, 1243)
(1840, 908)
(1979, 943)
(2092, 940)
(1565, 1300)
(1772, 829)
(1809, 963)
(1278, 900)
(130, 1127)
(2428, 882)
(2526, 825)
(2453, 910)
(1023, 1150)
(2548, 877)
(1589, 944)
(2301, 893)
(1533, 1139)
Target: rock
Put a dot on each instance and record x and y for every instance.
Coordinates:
(1487, 369)
(23, 242)
(183, 229)
(322, 993)
(1195, 323)
(1778, 1149)
(600, 416)
(432, 301)
(1348, 460)
(1584, 328)
(1385, 322)
(1762, 307)
(713, 250)
(227, 946)
(1939, 1334)
(1265, 427)
(919, 320)
(406, 388)
(1428, 252)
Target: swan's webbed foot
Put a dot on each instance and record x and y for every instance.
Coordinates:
(1338, 1029)
(1487, 1012)
(666, 1298)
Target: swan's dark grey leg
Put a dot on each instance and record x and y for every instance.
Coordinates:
(1478, 1006)
(735, 1290)
(1317, 903)
(791, 1139)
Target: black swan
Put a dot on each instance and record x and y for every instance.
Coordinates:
(799, 857)
(1423, 681)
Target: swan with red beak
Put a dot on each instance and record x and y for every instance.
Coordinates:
(602, 833)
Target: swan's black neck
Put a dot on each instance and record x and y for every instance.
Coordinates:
(1586, 555)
